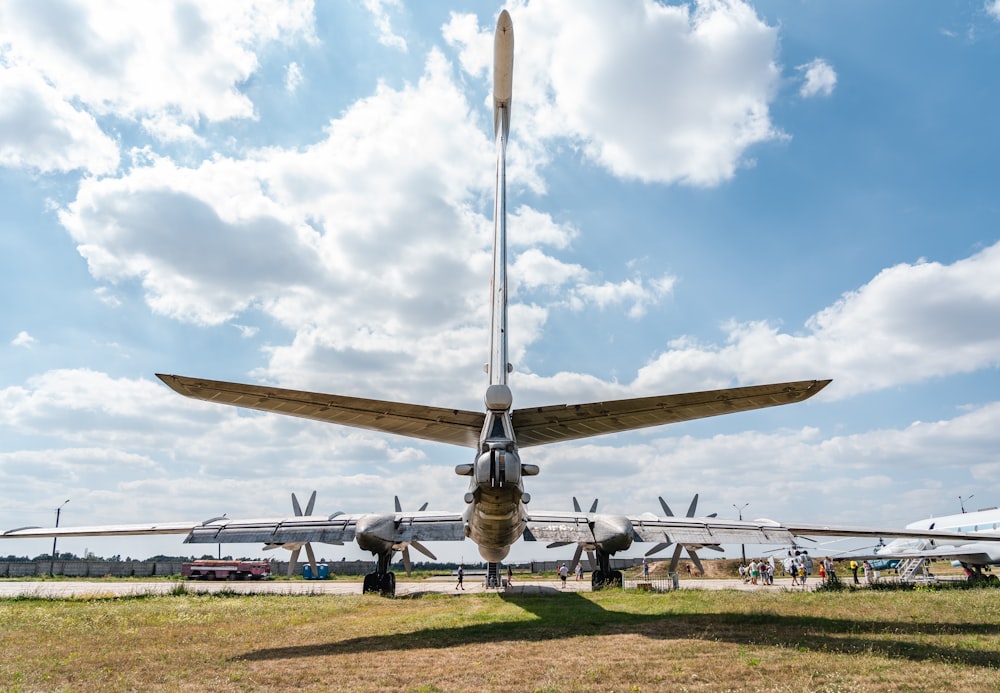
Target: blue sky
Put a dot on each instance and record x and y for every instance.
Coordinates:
(702, 195)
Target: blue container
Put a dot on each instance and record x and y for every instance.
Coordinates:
(322, 570)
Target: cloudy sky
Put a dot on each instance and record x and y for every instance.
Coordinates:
(701, 195)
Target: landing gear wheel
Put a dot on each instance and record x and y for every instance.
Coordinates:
(387, 588)
(597, 580)
(615, 579)
(371, 584)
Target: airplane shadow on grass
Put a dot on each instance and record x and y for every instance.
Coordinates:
(566, 615)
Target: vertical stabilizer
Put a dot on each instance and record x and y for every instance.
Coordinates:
(503, 73)
(503, 56)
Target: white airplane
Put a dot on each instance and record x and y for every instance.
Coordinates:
(496, 510)
(974, 554)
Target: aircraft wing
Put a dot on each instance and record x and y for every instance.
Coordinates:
(573, 527)
(709, 531)
(848, 531)
(414, 420)
(100, 530)
(552, 424)
(408, 526)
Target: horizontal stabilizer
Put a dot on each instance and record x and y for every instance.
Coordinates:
(414, 420)
(553, 424)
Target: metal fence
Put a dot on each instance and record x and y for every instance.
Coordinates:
(92, 569)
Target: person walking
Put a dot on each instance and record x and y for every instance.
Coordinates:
(461, 576)
(562, 574)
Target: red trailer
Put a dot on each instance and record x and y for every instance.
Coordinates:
(206, 569)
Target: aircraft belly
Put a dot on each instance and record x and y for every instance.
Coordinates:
(495, 521)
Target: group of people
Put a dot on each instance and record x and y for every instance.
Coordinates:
(758, 572)
(800, 566)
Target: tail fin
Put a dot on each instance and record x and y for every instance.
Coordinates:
(503, 61)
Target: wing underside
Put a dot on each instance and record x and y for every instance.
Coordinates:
(438, 424)
(408, 526)
(552, 424)
(576, 527)
(532, 426)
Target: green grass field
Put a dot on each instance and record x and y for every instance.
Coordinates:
(691, 640)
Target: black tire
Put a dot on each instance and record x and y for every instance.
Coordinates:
(371, 585)
(597, 580)
(388, 586)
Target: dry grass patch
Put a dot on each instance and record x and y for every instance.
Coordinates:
(687, 640)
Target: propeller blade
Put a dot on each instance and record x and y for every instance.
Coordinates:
(576, 556)
(712, 515)
(557, 544)
(697, 561)
(312, 560)
(693, 506)
(593, 561)
(295, 505)
(423, 549)
(576, 505)
(714, 547)
(666, 508)
(659, 547)
(311, 503)
(292, 562)
(423, 507)
(675, 559)
(593, 507)
(406, 560)
(399, 508)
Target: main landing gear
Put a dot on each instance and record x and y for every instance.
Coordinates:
(382, 581)
(603, 577)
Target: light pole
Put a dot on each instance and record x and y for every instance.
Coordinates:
(743, 550)
(52, 562)
(961, 501)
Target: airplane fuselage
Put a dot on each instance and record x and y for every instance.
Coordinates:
(981, 521)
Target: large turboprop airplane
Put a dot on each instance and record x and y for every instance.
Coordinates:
(496, 510)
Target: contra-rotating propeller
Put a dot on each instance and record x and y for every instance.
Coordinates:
(580, 546)
(690, 548)
(295, 547)
(405, 546)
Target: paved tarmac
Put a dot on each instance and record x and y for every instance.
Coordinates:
(56, 589)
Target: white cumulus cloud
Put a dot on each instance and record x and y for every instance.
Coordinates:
(23, 339)
(819, 80)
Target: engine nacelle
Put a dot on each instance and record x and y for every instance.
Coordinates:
(498, 467)
(376, 532)
(612, 533)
